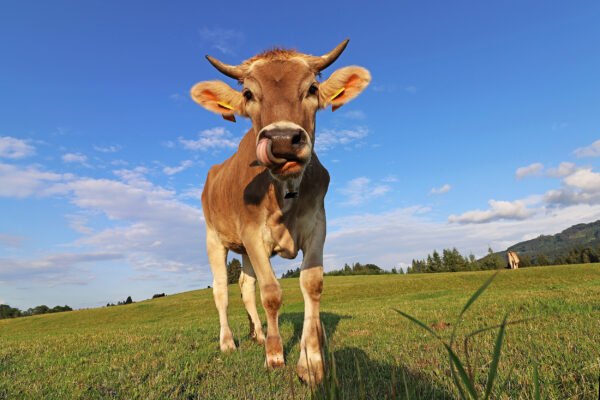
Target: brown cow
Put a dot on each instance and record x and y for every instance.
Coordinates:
(513, 260)
(268, 198)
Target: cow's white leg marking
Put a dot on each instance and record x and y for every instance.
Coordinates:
(248, 289)
(270, 295)
(217, 256)
(310, 364)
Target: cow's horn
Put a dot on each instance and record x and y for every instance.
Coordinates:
(326, 60)
(231, 71)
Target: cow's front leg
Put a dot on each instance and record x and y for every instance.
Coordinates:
(310, 364)
(217, 257)
(270, 295)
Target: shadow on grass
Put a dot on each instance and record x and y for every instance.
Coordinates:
(358, 375)
(330, 322)
(361, 377)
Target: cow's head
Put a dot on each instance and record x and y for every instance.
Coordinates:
(281, 95)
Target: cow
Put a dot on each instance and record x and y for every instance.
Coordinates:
(513, 260)
(268, 198)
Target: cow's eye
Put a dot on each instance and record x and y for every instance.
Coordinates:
(313, 89)
(247, 94)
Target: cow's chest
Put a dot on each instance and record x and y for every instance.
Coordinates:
(283, 233)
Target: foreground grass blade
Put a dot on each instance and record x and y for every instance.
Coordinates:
(495, 360)
(469, 303)
(416, 321)
(536, 383)
(461, 372)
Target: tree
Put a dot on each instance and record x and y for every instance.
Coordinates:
(234, 269)
(492, 261)
(128, 301)
(43, 309)
(525, 261)
(7, 311)
(541, 260)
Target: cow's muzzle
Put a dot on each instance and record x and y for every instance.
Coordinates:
(283, 147)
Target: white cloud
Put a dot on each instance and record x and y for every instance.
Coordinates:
(360, 189)
(177, 97)
(530, 170)
(581, 186)
(398, 236)
(15, 148)
(564, 169)
(506, 210)
(327, 139)
(556, 126)
(410, 89)
(224, 40)
(108, 149)
(78, 223)
(593, 150)
(355, 114)
(11, 241)
(214, 138)
(173, 170)
(74, 157)
(444, 189)
(584, 179)
(192, 193)
(54, 269)
(29, 181)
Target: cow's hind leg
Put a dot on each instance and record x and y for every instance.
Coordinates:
(248, 289)
(217, 256)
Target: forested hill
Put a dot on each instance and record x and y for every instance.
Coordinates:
(580, 235)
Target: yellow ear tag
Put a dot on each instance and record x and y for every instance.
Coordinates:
(224, 105)
(339, 92)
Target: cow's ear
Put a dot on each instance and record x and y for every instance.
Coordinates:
(220, 98)
(342, 86)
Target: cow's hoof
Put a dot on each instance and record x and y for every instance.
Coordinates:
(227, 343)
(258, 338)
(274, 350)
(310, 372)
(274, 362)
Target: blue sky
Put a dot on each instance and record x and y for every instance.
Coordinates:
(480, 128)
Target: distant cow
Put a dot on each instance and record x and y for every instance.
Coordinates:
(268, 198)
(513, 260)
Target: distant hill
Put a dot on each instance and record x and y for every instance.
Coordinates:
(580, 235)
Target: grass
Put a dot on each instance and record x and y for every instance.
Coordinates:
(168, 347)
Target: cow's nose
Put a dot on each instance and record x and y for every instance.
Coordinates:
(287, 139)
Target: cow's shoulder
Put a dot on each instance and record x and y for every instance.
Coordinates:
(315, 181)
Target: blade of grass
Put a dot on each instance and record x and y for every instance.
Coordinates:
(469, 303)
(495, 359)
(405, 385)
(461, 372)
(507, 381)
(536, 383)
(416, 321)
(360, 382)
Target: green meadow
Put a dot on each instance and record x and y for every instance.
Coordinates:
(168, 347)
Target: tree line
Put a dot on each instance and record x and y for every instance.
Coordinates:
(452, 261)
(577, 255)
(7, 311)
(355, 269)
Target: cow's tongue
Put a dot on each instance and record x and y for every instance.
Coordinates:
(262, 153)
